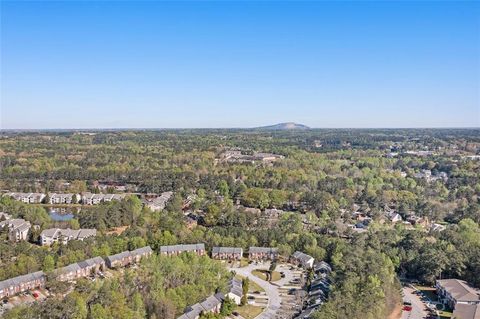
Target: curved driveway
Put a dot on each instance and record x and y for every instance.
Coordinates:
(270, 289)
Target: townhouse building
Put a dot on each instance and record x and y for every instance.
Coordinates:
(128, 257)
(227, 253)
(176, 250)
(262, 253)
(28, 198)
(13, 286)
(212, 304)
(453, 292)
(57, 198)
(235, 290)
(80, 269)
(53, 235)
(18, 229)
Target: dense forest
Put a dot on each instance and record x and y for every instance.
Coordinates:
(325, 175)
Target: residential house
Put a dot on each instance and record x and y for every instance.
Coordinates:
(262, 253)
(299, 258)
(176, 250)
(235, 290)
(227, 253)
(128, 257)
(81, 269)
(13, 286)
(453, 292)
(18, 229)
(159, 203)
(53, 235)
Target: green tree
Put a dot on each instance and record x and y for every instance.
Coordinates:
(48, 264)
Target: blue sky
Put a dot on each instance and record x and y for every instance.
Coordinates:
(239, 64)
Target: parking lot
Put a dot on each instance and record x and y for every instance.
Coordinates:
(23, 298)
(421, 306)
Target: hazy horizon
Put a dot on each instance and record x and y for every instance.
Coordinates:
(167, 65)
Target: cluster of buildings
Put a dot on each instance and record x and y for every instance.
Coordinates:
(409, 219)
(54, 235)
(155, 203)
(429, 177)
(459, 296)
(81, 269)
(18, 229)
(237, 156)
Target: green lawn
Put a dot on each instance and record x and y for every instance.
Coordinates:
(262, 274)
(249, 311)
(243, 262)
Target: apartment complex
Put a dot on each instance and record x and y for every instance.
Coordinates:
(53, 235)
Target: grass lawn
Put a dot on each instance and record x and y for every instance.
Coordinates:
(243, 262)
(249, 311)
(262, 274)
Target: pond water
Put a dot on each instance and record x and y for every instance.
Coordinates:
(61, 214)
(59, 217)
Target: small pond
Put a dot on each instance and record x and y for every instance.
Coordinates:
(61, 214)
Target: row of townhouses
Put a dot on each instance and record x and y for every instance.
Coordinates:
(54, 235)
(156, 203)
(72, 272)
(222, 253)
(13, 286)
(127, 258)
(458, 295)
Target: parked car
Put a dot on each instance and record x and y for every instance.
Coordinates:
(407, 308)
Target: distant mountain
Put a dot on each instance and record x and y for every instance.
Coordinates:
(285, 127)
